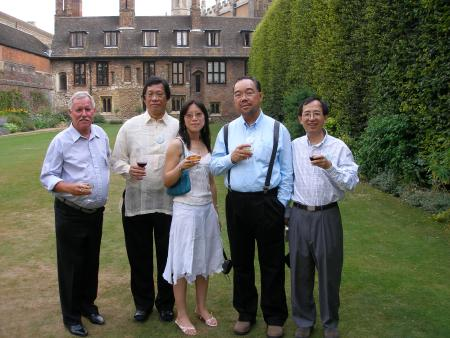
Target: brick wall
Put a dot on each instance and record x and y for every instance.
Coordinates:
(41, 64)
(25, 72)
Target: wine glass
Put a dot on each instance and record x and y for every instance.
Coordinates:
(250, 140)
(314, 153)
(141, 159)
(89, 197)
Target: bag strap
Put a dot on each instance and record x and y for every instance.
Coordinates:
(226, 142)
(275, 144)
(183, 146)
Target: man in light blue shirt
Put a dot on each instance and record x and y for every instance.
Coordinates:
(255, 210)
(76, 171)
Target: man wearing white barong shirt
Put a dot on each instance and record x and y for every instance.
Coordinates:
(147, 209)
(324, 169)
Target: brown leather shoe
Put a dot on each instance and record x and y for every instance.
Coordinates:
(242, 327)
(273, 331)
(303, 332)
(331, 333)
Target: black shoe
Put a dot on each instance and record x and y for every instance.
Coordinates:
(78, 330)
(141, 315)
(95, 318)
(166, 315)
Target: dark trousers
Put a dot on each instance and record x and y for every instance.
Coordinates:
(78, 237)
(316, 241)
(257, 218)
(139, 231)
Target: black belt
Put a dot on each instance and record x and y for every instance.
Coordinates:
(272, 191)
(314, 208)
(73, 205)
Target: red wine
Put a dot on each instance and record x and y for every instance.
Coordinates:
(142, 164)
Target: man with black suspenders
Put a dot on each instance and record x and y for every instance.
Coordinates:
(259, 180)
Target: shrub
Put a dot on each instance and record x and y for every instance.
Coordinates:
(12, 128)
(12, 99)
(386, 146)
(99, 119)
(432, 201)
(46, 119)
(386, 182)
(442, 217)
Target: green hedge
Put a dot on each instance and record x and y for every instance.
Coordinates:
(383, 67)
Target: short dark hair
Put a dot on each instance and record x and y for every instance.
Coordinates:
(324, 105)
(254, 80)
(154, 80)
(204, 132)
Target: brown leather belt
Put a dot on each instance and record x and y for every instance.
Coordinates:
(314, 208)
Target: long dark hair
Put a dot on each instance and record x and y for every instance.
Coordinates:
(204, 132)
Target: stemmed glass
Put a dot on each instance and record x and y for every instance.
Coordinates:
(314, 152)
(141, 159)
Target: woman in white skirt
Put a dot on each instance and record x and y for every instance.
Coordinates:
(195, 246)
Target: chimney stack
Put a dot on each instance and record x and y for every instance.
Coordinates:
(195, 15)
(127, 13)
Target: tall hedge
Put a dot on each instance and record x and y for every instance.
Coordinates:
(374, 61)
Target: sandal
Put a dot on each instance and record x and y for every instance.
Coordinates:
(212, 321)
(188, 330)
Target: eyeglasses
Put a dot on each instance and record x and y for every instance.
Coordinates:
(191, 116)
(312, 115)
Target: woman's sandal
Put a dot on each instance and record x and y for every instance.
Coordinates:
(212, 322)
(188, 330)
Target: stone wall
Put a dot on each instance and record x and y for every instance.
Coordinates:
(126, 96)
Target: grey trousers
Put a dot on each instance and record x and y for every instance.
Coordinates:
(315, 241)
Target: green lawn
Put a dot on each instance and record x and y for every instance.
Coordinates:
(395, 279)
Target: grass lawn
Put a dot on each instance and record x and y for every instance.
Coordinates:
(395, 279)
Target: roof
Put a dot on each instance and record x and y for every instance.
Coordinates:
(130, 40)
(14, 38)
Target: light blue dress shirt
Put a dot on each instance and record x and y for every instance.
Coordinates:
(249, 175)
(73, 158)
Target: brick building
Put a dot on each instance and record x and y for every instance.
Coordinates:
(111, 57)
(24, 62)
(241, 8)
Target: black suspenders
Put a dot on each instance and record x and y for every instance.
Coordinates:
(273, 154)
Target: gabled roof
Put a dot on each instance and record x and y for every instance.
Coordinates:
(130, 40)
(14, 38)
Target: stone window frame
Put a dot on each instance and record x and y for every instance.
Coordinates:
(215, 107)
(128, 74)
(62, 82)
(146, 70)
(220, 73)
(213, 37)
(102, 73)
(178, 69)
(247, 38)
(79, 76)
(150, 38)
(182, 38)
(77, 39)
(110, 38)
(177, 102)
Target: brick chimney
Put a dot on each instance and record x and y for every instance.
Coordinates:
(68, 8)
(195, 15)
(127, 13)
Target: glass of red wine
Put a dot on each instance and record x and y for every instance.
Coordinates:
(141, 159)
(314, 153)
